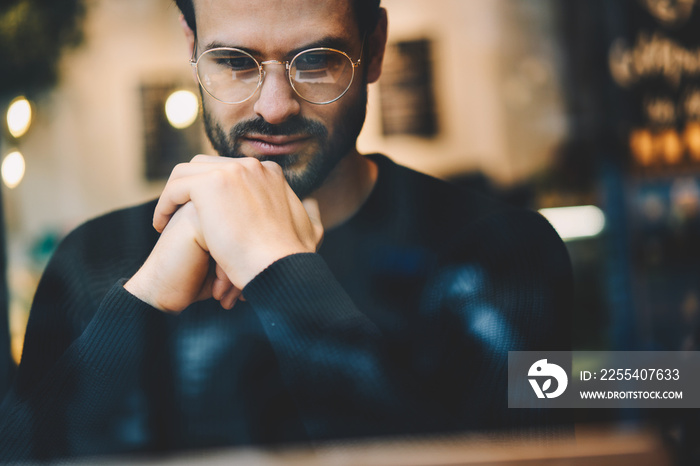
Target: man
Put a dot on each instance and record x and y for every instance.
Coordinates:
(398, 322)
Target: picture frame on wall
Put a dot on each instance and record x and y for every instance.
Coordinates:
(407, 97)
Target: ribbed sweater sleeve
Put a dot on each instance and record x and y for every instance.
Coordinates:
(100, 363)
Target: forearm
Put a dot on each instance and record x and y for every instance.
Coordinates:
(56, 416)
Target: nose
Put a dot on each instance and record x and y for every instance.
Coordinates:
(277, 101)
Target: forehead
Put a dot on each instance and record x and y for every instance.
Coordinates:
(273, 26)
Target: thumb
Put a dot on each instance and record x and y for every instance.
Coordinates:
(312, 210)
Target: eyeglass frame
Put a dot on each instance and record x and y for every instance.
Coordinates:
(287, 65)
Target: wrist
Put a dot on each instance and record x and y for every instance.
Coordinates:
(242, 275)
(137, 288)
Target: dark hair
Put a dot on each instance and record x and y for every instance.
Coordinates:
(366, 14)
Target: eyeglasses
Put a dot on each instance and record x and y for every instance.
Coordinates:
(319, 75)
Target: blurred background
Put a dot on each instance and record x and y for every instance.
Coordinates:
(587, 110)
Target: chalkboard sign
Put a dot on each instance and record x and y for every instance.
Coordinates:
(657, 64)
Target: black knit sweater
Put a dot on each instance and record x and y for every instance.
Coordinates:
(400, 324)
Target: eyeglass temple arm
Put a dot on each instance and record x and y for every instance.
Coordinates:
(362, 49)
(194, 51)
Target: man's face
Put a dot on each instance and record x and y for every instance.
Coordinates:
(307, 140)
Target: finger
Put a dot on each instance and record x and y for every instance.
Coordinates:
(207, 286)
(230, 298)
(273, 167)
(207, 158)
(183, 170)
(220, 287)
(221, 284)
(203, 158)
(220, 273)
(175, 194)
(203, 163)
(178, 190)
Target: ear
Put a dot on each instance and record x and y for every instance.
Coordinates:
(189, 33)
(377, 46)
(190, 37)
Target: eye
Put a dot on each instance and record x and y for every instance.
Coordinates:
(239, 63)
(234, 61)
(312, 61)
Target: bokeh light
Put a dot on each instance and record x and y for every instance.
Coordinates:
(13, 169)
(181, 108)
(692, 139)
(642, 146)
(19, 116)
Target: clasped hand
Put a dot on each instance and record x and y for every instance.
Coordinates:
(222, 222)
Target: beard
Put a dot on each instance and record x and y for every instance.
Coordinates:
(331, 147)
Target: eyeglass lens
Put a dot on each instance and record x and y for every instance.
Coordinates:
(233, 76)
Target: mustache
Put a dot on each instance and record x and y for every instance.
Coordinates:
(293, 126)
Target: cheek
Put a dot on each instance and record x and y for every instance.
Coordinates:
(226, 115)
(336, 114)
(325, 116)
(345, 112)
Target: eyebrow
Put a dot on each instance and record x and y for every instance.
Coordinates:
(333, 42)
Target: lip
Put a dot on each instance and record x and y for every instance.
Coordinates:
(276, 145)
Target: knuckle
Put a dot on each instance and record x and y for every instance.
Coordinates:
(232, 169)
(251, 163)
(187, 209)
(273, 167)
(219, 178)
(177, 171)
(199, 158)
(248, 161)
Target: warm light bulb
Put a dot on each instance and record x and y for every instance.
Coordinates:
(181, 108)
(19, 116)
(13, 169)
